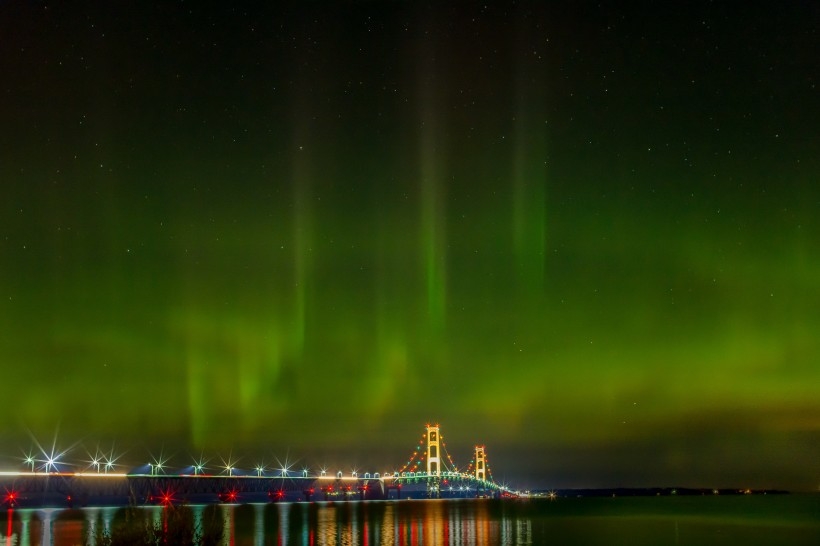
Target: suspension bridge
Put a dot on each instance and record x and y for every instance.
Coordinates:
(429, 472)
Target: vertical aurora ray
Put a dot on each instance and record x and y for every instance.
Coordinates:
(200, 380)
(257, 355)
(433, 227)
(302, 229)
(389, 374)
(232, 363)
(197, 399)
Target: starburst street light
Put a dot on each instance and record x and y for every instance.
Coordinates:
(51, 458)
(260, 469)
(110, 460)
(51, 463)
(30, 461)
(109, 465)
(157, 464)
(94, 461)
(229, 465)
(284, 467)
(199, 466)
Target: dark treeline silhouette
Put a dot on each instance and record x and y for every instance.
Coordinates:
(177, 527)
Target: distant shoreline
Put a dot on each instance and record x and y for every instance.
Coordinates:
(653, 492)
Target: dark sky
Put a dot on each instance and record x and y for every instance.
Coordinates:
(586, 235)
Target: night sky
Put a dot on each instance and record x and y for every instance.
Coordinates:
(586, 235)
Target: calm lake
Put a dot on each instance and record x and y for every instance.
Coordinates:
(770, 519)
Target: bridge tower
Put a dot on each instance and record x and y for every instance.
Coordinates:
(433, 450)
(480, 463)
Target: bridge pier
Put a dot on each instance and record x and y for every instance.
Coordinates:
(433, 489)
(396, 487)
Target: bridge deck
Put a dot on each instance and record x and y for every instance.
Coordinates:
(93, 489)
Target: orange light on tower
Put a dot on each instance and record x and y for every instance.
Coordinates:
(480, 463)
(433, 451)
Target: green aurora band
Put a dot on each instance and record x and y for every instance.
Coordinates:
(587, 249)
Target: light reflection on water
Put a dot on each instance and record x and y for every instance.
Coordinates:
(445, 522)
(317, 524)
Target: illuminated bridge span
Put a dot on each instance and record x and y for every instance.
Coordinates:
(429, 472)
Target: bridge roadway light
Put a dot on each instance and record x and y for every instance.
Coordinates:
(51, 463)
(30, 461)
(260, 470)
(228, 465)
(199, 465)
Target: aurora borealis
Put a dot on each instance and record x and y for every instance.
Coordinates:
(585, 235)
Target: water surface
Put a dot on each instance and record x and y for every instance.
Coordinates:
(749, 520)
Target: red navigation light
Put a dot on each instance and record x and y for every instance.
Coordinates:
(10, 499)
(228, 496)
(276, 496)
(166, 497)
(365, 487)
